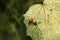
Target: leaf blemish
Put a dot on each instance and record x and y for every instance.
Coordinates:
(51, 10)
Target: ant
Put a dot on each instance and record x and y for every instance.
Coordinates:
(31, 21)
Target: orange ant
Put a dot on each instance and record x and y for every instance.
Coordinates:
(31, 21)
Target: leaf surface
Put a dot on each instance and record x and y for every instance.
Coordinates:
(47, 18)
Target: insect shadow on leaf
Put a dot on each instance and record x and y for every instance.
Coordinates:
(34, 23)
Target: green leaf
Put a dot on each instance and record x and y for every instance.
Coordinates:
(47, 18)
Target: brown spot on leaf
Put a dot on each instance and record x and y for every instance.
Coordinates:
(51, 10)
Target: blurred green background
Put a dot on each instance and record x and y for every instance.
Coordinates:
(11, 19)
